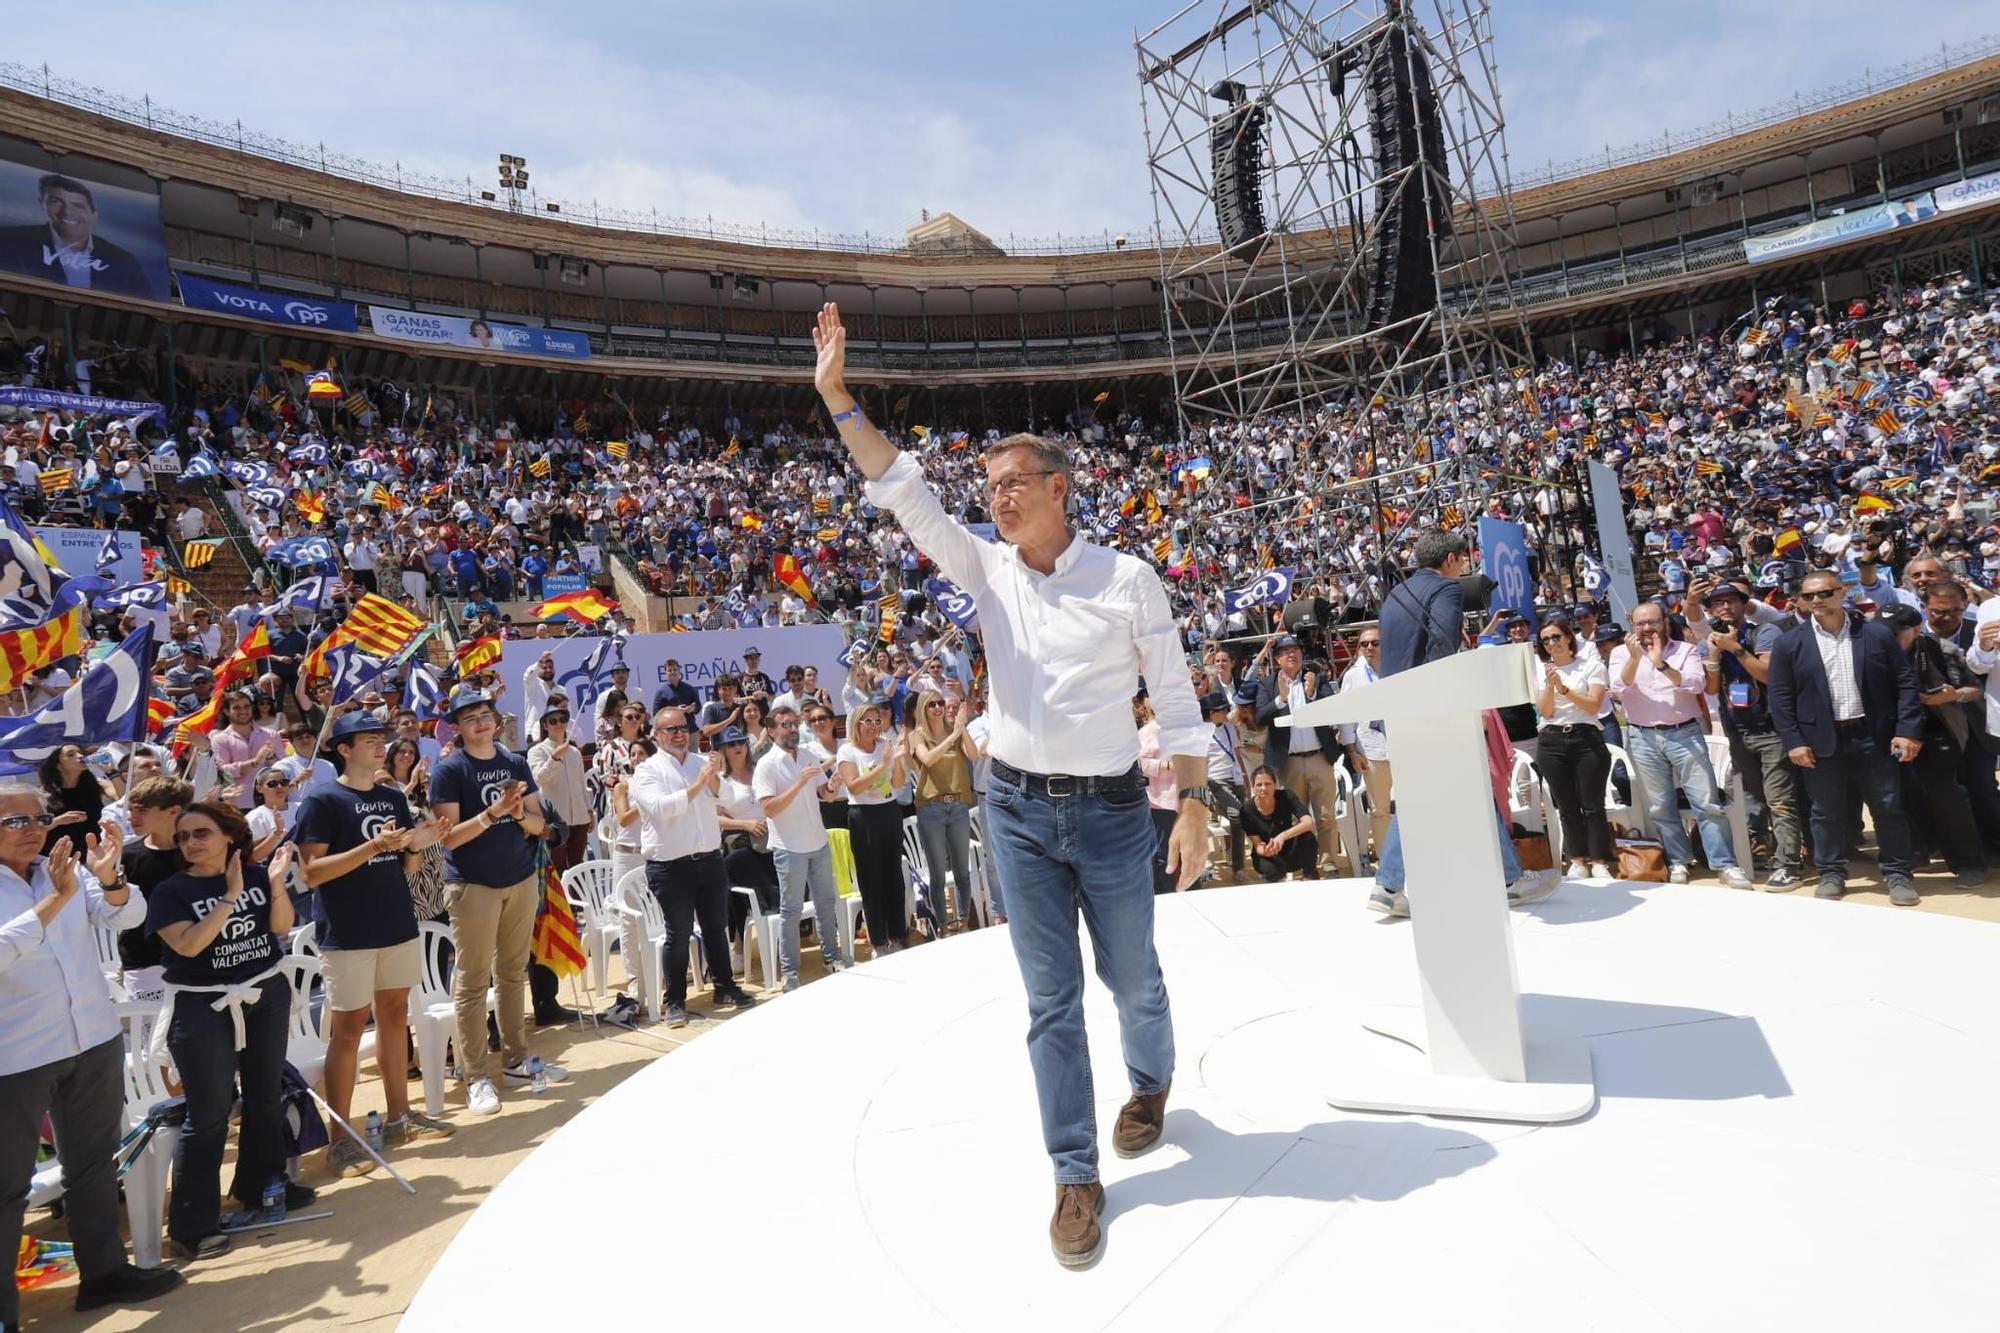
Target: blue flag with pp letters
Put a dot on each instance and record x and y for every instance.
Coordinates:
(107, 703)
(1272, 587)
(246, 473)
(954, 601)
(305, 551)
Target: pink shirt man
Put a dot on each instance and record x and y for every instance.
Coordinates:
(237, 759)
(1652, 699)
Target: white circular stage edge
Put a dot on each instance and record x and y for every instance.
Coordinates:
(1794, 1130)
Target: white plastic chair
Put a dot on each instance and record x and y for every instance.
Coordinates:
(1632, 816)
(305, 940)
(588, 889)
(1526, 802)
(760, 932)
(433, 1014)
(1730, 784)
(636, 901)
(1350, 818)
(106, 941)
(307, 1037)
(916, 879)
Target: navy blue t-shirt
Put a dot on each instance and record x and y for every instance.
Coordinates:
(369, 907)
(243, 949)
(503, 855)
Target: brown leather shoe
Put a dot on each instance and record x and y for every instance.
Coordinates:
(1140, 1122)
(1073, 1232)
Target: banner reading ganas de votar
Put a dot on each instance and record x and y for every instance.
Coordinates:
(703, 655)
(477, 335)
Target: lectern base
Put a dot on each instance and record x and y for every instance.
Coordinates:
(1395, 1075)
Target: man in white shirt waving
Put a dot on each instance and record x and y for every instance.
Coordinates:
(1070, 628)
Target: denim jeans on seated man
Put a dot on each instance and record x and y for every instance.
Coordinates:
(1676, 760)
(1389, 873)
(1056, 854)
(798, 874)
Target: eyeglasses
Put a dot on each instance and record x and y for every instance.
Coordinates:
(275, 783)
(679, 730)
(1014, 485)
(1816, 596)
(935, 703)
(15, 823)
(1554, 638)
(195, 834)
(1371, 643)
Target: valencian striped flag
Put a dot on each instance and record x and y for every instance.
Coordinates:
(379, 496)
(587, 605)
(200, 551)
(618, 449)
(1888, 422)
(557, 945)
(29, 642)
(540, 468)
(822, 504)
(55, 480)
(382, 628)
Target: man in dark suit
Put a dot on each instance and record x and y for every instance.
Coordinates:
(1423, 621)
(1945, 604)
(68, 250)
(1303, 757)
(1844, 701)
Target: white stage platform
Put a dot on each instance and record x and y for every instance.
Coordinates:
(1795, 1129)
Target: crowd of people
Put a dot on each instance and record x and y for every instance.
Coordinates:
(1811, 493)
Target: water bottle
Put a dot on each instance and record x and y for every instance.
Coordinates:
(274, 1200)
(374, 1130)
(538, 1075)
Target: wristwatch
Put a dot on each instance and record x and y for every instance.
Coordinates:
(1204, 793)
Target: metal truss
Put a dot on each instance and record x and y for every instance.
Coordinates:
(1279, 323)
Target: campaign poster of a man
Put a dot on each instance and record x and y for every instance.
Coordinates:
(70, 241)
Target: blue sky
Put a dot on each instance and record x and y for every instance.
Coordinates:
(1023, 117)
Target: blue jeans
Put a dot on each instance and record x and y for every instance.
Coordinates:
(798, 874)
(1056, 854)
(1676, 759)
(1860, 767)
(945, 829)
(1389, 869)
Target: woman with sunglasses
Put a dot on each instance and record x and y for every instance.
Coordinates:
(943, 762)
(1571, 752)
(269, 819)
(229, 1008)
(746, 837)
(820, 745)
(872, 763)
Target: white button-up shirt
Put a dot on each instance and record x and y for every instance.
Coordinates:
(1989, 663)
(673, 821)
(1836, 654)
(797, 827)
(1065, 649)
(54, 1001)
(1368, 737)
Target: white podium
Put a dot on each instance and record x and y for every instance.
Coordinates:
(1465, 1052)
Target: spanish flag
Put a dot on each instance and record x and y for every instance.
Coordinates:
(587, 605)
(785, 569)
(476, 655)
(311, 508)
(752, 522)
(1786, 540)
(1869, 504)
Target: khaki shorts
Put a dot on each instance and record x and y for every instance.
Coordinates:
(354, 975)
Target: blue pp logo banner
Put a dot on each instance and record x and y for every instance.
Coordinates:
(271, 307)
(1503, 555)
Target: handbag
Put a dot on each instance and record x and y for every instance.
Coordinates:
(1642, 861)
(1533, 852)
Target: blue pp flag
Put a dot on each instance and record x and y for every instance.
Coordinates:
(246, 473)
(107, 554)
(304, 551)
(308, 594)
(201, 465)
(853, 652)
(423, 692)
(1596, 578)
(954, 601)
(107, 703)
(268, 497)
(352, 670)
(1272, 586)
(1503, 551)
(134, 594)
(313, 455)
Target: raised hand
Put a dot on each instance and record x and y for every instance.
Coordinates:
(281, 862)
(423, 835)
(232, 877)
(102, 858)
(830, 342)
(62, 869)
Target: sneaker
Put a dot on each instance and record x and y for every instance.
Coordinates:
(1781, 880)
(734, 998)
(1389, 904)
(414, 1124)
(677, 1016)
(481, 1097)
(837, 964)
(1970, 879)
(1830, 886)
(1902, 892)
(517, 1074)
(1734, 878)
(1678, 875)
(345, 1157)
(125, 1285)
(1074, 1233)
(1533, 887)
(792, 981)
(1577, 870)
(1599, 870)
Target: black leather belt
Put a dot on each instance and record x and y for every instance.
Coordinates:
(1852, 724)
(1064, 784)
(1661, 726)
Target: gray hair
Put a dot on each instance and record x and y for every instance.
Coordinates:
(1048, 455)
(32, 791)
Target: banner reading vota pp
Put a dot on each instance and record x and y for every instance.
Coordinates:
(477, 334)
(271, 307)
(72, 227)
